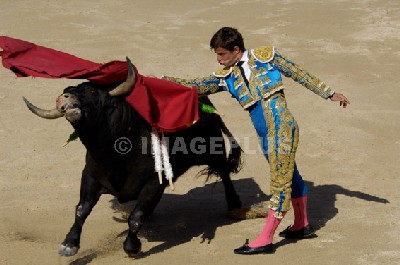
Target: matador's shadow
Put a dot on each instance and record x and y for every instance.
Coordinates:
(321, 205)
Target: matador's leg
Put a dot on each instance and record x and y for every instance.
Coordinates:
(282, 145)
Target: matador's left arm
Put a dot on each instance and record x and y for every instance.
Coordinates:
(290, 69)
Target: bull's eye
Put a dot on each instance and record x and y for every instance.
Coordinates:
(62, 108)
(66, 96)
(75, 105)
(92, 91)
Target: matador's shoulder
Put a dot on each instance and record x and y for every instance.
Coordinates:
(264, 54)
(223, 72)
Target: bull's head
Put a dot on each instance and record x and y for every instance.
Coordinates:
(68, 104)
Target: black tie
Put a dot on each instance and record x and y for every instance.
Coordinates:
(239, 64)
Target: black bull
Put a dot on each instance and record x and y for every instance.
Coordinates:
(101, 120)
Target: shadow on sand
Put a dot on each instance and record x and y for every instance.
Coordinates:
(179, 218)
(321, 205)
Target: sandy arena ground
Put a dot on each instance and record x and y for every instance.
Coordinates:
(349, 157)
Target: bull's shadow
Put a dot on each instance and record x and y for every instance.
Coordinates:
(179, 218)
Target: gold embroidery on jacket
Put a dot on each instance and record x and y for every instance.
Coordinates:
(255, 81)
(223, 72)
(208, 85)
(298, 74)
(264, 54)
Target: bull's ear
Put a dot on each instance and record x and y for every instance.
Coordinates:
(127, 86)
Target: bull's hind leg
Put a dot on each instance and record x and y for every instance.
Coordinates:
(90, 193)
(232, 198)
(148, 199)
(220, 166)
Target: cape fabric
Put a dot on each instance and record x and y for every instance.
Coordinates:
(165, 105)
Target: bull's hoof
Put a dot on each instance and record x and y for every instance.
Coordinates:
(132, 247)
(68, 251)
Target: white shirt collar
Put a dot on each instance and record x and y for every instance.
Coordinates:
(245, 56)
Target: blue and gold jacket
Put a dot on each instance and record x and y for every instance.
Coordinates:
(266, 66)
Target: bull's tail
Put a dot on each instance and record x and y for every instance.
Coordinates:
(234, 162)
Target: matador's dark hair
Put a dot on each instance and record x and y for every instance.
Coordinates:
(227, 38)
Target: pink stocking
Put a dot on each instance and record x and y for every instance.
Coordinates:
(267, 234)
(300, 213)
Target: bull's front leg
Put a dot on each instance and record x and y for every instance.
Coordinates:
(148, 199)
(90, 193)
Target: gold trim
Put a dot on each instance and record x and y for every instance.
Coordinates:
(272, 90)
(222, 72)
(263, 54)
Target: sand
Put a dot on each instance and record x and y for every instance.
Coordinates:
(348, 157)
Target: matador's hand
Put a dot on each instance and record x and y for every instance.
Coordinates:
(340, 97)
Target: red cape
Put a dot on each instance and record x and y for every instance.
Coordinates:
(165, 105)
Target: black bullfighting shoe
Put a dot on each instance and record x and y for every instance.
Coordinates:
(305, 232)
(246, 250)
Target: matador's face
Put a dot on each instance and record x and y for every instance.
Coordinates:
(228, 58)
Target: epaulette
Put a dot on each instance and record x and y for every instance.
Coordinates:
(263, 54)
(223, 72)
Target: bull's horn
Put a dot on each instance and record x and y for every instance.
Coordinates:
(127, 86)
(46, 114)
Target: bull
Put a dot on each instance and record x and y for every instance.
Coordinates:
(100, 115)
